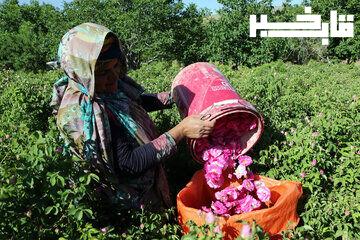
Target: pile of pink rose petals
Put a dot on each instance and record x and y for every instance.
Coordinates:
(221, 154)
(229, 131)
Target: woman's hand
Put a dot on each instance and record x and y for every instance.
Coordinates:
(192, 127)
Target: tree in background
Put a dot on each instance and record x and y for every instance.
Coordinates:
(228, 34)
(343, 48)
(28, 34)
(150, 30)
(166, 30)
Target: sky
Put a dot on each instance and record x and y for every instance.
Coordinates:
(213, 5)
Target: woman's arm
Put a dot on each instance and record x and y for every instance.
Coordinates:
(134, 160)
(154, 102)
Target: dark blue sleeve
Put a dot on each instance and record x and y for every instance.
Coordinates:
(132, 159)
(154, 102)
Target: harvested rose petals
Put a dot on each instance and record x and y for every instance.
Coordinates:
(248, 185)
(223, 161)
(219, 208)
(231, 200)
(229, 133)
(263, 194)
(240, 171)
(245, 160)
(229, 194)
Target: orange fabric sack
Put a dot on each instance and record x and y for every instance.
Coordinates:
(280, 215)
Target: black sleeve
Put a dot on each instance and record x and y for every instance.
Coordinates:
(132, 159)
(154, 102)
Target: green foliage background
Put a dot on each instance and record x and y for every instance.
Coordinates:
(311, 112)
(158, 30)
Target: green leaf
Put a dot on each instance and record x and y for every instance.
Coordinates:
(79, 215)
(53, 180)
(307, 227)
(89, 213)
(62, 181)
(48, 210)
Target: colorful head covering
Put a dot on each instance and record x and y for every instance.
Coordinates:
(81, 112)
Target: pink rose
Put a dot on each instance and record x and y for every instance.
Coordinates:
(244, 204)
(214, 180)
(213, 172)
(219, 208)
(227, 194)
(215, 183)
(240, 171)
(221, 161)
(248, 185)
(263, 193)
(245, 231)
(253, 125)
(206, 155)
(259, 184)
(255, 204)
(221, 154)
(313, 162)
(209, 218)
(215, 151)
(245, 160)
(213, 167)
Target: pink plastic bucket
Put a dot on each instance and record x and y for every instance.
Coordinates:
(200, 88)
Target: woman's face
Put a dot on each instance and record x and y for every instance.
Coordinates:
(106, 76)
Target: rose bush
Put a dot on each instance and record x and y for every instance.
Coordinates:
(311, 112)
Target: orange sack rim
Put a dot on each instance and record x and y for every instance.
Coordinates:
(279, 216)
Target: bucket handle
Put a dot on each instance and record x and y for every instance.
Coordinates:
(205, 116)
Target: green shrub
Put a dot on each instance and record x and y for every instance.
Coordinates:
(169, 30)
(310, 111)
(24, 98)
(29, 34)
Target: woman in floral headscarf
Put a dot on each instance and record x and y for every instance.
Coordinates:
(101, 114)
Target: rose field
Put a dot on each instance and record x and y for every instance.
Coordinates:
(312, 135)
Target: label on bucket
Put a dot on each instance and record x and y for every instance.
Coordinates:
(229, 101)
(223, 86)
